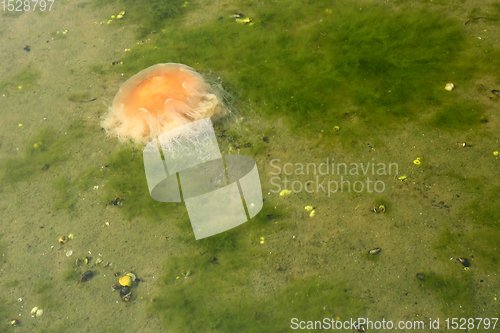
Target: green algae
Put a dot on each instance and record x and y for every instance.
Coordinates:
(26, 78)
(79, 97)
(365, 71)
(68, 190)
(222, 298)
(44, 150)
(150, 15)
(70, 273)
(476, 237)
(370, 62)
(454, 291)
(7, 313)
(127, 181)
(458, 116)
(44, 295)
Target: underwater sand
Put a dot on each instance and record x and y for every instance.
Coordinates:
(331, 246)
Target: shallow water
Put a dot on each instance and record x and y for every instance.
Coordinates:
(433, 217)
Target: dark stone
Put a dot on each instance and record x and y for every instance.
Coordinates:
(87, 276)
(464, 261)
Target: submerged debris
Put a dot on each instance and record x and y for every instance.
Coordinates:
(464, 261)
(125, 294)
(125, 283)
(87, 276)
(380, 208)
(36, 312)
(285, 192)
(117, 201)
(360, 327)
(127, 280)
(476, 18)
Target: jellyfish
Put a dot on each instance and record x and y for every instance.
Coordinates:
(159, 99)
(169, 108)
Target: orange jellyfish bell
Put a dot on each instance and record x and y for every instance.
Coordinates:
(159, 99)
